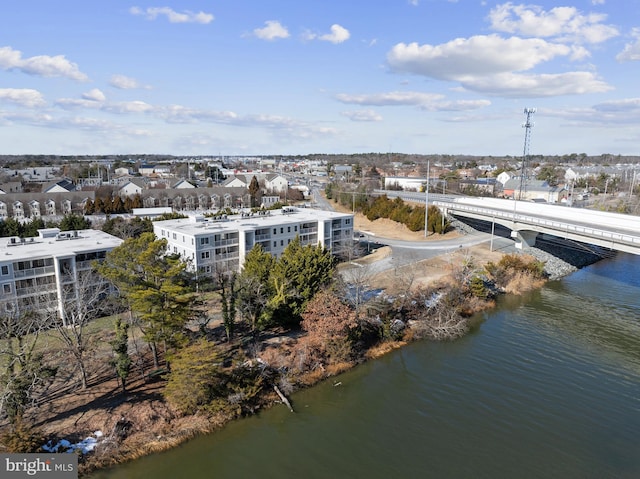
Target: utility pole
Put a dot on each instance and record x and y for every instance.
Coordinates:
(426, 202)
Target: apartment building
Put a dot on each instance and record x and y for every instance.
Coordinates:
(212, 244)
(48, 271)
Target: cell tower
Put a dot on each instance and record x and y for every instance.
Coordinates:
(527, 125)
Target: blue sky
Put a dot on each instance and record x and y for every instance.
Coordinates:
(248, 77)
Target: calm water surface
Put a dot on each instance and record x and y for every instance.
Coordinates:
(547, 387)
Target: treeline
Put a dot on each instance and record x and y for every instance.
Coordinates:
(112, 205)
(413, 217)
(13, 227)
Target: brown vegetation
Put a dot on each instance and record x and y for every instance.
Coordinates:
(218, 377)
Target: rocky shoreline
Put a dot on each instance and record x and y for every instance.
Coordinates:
(560, 257)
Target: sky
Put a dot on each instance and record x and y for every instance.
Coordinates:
(297, 77)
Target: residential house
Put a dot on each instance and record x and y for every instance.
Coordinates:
(534, 190)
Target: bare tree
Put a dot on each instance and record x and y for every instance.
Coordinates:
(24, 370)
(82, 302)
(357, 279)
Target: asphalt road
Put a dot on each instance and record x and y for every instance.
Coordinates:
(407, 252)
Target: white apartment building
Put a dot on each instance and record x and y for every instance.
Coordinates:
(211, 244)
(45, 271)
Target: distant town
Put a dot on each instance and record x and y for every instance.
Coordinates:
(49, 186)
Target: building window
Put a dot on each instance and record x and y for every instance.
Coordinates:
(204, 240)
(281, 230)
(205, 255)
(288, 229)
(5, 270)
(275, 243)
(281, 242)
(175, 236)
(347, 221)
(295, 228)
(275, 231)
(6, 288)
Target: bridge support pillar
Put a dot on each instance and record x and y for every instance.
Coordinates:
(524, 239)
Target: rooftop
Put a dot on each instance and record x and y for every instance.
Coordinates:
(198, 224)
(53, 242)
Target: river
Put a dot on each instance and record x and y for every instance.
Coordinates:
(547, 387)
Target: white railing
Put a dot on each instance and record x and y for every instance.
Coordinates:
(559, 226)
(33, 272)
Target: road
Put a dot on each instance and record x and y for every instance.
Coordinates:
(407, 252)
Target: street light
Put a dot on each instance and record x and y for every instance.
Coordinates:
(426, 203)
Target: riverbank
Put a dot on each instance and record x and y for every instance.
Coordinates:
(141, 421)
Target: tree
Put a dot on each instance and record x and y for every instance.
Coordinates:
(74, 222)
(24, 371)
(329, 324)
(121, 359)
(228, 297)
(10, 227)
(296, 277)
(156, 287)
(254, 191)
(84, 300)
(254, 288)
(89, 207)
(195, 377)
(131, 228)
(98, 206)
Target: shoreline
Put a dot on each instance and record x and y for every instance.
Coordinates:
(166, 429)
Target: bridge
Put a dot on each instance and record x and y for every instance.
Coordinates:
(526, 220)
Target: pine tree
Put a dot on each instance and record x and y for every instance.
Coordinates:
(121, 360)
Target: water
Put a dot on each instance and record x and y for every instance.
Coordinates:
(547, 387)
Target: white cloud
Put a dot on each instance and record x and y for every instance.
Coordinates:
(425, 101)
(271, 31)
(631, 51)
(563, 23)
(94, 95)
(41, 65)
(362, 115)
(624, 105)
(24, 97)
(513, 85)
(125, 83)
(457, 105)
(390, 98)
(174, 17)
(475, 56)
(129, 107)
(338, 34)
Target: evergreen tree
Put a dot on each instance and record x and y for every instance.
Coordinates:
(296, 277)
(254, 191)
(121, 360)
(73, 222)
(156, 287)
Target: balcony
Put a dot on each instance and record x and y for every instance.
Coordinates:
(27, 273)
